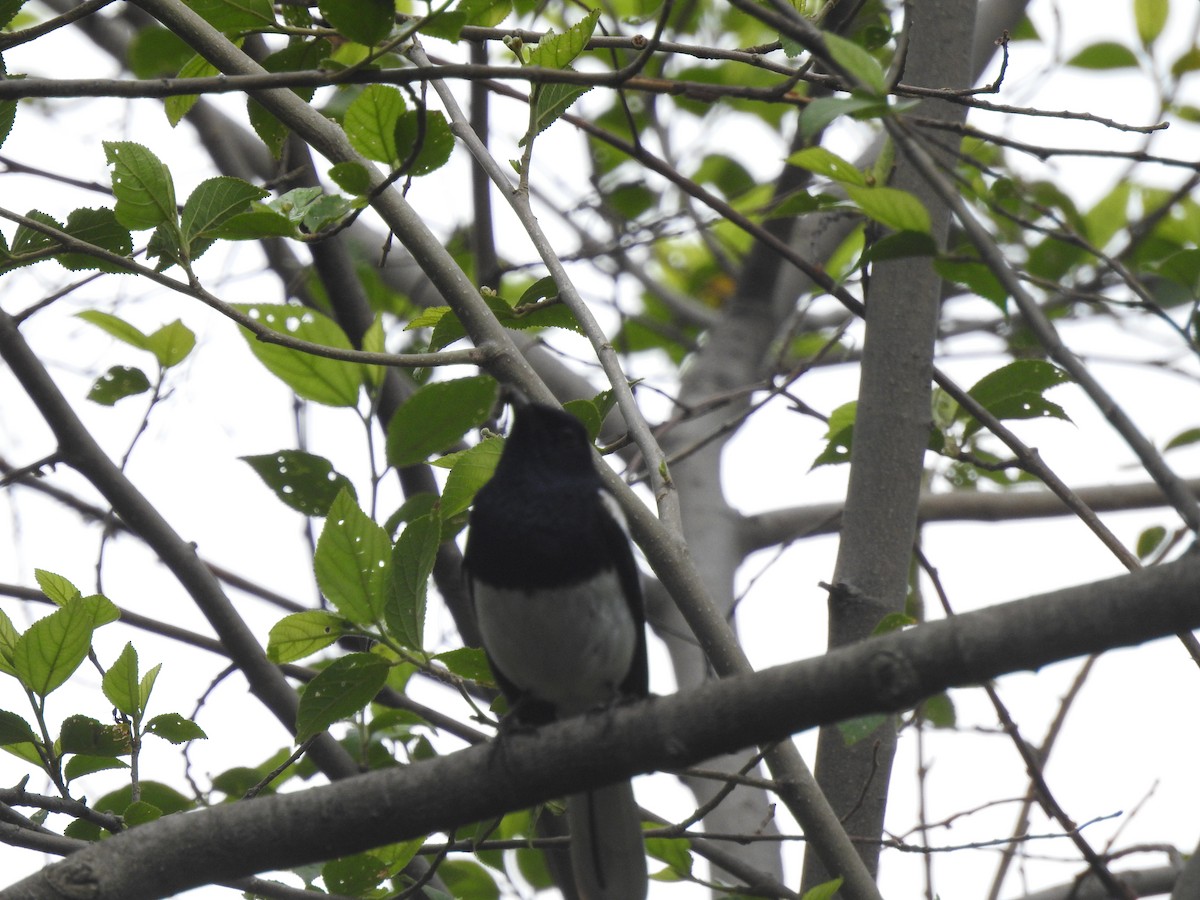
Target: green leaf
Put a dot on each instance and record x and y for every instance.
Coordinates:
(261, 222)
(32, 243)
(893, 622)
(142, 185)
(899, 245)
(437, 141)
(823, 110)
(139, 813)
(303, 634)
(898, 210)
(305, 482)
(371, 120)
(1150, 17)
(939, 711)
(298, 55)
(232, 16)
(557, 51)
(56, 587)
(466, 878)
(340, 690)
(408, 580)
(179, 106)
(820, 161)
(351, 177)
(437, 415)
(316, 378)
(839, 436)
(175, 728)
(860, 64)
(121, 685)
(116, 326)
(81, 764)
(975, 277)
(9, 10)
(351, 561)
(214, 202)
(471, 470)
(171, 344)
(1104, 55)
(1015, 391)
(354, 875)
(855, 730)
(52, 648)
(81, 734)
(825, 891)
(14, 729)
(550, 102)
(1150, 540)
(1183, 439)
(101, 228)
(156, 52)
(467, 662)
(8, 642)
(363, 21)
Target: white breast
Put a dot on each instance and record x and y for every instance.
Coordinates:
(570, 647)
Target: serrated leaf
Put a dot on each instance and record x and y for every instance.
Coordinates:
(898, 210)
(437, 415)
(316, 378)
(472, 469)
(1104, 55)
(338, 691)
(56, 587)
(370, 123)
(363, 21)
(232, 16)
(177, 107)
(976, 277)
(82, 734)
(14, 729)
(557, 51)
(171, 343)
(305, 482)
(175, 728)
(550, 102)
(1015, 391)
(820, 161)
(467, 662)
(139, 813)
(351, 562)
(121, 685)
(303, 634)
(860, 64)
(436, 141)
(8, 642)
(466, 878)
(29, 242)
(156, 52)
(255, 225)
(408, 580)
(101, 228)
(81, 764)
(142, 185)
(351, 177)
(52, 648)
(213, 202)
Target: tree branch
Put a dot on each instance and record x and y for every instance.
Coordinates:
(884, 674)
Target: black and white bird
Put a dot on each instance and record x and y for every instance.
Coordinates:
(559, 606)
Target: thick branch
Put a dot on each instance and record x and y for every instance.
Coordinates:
(884, 674)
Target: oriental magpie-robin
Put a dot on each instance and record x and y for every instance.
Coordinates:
(559, 608)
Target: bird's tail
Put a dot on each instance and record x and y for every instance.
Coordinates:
(608, 856)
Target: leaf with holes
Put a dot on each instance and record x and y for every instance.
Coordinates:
(351, 561)
(303, 634)
(304, 481)
(142, 185)
(1016, 391)
(340, 690)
